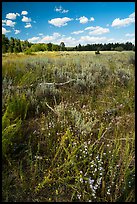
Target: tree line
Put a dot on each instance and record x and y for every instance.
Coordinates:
(106, 47)
(14, 45)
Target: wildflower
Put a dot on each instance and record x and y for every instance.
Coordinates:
(95, 169)
(79, 196)
(81, 180)
(38, 157)
(91, 181)
(97, 157)
(100, 168)
(108, 191)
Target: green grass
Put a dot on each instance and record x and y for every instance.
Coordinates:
(74, 142)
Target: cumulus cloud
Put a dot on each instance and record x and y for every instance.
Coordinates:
(4, 22)
(77, 32)
(57, 38)
(88, 39)
(84, 19)
(45, 39)
(97, 30)
(132, 15)
(12, 16)
(10, 23)
(61, 10)
(28, 25)
(50, 38)
(60, 21)
(69, 41)
(24, 13)
(89, 28)
(17, 14)
(124, 22)
(4, 31)
(17, 31)
(33, 39)
(91, 19)
(26, 19)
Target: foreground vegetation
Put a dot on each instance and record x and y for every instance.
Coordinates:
(68, 127)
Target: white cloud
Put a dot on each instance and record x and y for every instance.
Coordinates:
(45, 39)
(58, 9)
(90, 28)
(4, 31)
(17, 14)
(94, 39)
(33, 39)
(77, 32)
(130, 34)
(69, 41)
(91, 19)
(60, 21)
(28, 25)
(12, 16)
(65, 11)
(88, 40)
(50, 38)
(124, 22)
(84, 19)
(97, 30)
(61, 10)
(10, 23)
(26, 19)
(24, 13)
(4, 22)
(17, 31)
(132, 15)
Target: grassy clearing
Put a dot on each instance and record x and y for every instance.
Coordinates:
(70, 142)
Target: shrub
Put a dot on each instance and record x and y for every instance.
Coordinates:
(120, 49)
(28, 52)
(97, 52)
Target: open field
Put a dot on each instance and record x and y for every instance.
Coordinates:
(68, 127)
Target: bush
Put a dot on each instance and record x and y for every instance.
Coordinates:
(120, 49)
(97, 52)
(28, 52)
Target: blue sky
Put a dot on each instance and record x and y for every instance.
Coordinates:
(71, 22)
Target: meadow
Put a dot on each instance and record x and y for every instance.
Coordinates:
(68, 127)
